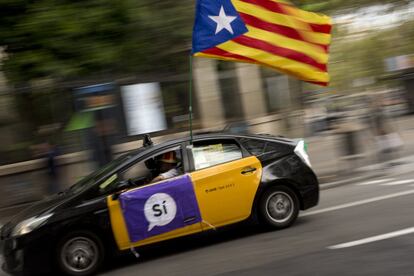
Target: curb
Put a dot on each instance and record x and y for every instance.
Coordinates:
(7, 212)
(371, 171)
(347, 181)
(20, 205)
(322, 186)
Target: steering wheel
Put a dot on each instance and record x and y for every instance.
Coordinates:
(138, 181)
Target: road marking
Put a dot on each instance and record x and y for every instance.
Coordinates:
(375, 182)
(374, 238)
(400, 182)
(356, 203)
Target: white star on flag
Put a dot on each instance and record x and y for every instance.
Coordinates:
(223, 21)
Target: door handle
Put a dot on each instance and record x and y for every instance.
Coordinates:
(248, 170)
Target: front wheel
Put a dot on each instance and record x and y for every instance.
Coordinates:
(80, 253)
(279, 207)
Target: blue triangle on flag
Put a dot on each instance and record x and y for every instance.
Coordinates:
(205, 35)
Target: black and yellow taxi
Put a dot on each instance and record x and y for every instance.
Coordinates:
(214, 180)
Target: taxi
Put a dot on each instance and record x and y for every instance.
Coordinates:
(161, 192)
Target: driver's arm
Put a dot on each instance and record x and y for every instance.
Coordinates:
(168, 174)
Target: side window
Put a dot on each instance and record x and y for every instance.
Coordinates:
(136, 175)
(139, 170)
(164, 165)
(210, 153)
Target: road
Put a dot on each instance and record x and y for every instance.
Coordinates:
(364, 228)
(345, 214)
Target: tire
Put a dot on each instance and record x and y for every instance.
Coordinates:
(80, 253)
(278, 207)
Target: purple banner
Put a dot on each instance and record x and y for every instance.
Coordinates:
(160, 208)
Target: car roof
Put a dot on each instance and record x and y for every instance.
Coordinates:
(222, 135)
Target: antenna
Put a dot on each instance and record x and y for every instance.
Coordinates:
(147, 140)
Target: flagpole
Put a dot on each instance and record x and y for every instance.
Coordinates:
(190, 105)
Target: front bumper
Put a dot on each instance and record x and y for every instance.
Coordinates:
(26, 255)
(12, 257)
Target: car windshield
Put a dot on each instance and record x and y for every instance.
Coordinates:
(91, 179)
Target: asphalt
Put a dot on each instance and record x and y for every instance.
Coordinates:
(358, 210)
(376, 200)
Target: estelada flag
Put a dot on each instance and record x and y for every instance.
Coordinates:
(272, 33)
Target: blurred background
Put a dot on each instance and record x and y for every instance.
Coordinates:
(82, 81)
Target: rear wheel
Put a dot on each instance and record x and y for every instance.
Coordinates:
(279, 207)
(80, 253)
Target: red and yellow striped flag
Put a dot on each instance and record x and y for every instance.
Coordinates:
(272, 33)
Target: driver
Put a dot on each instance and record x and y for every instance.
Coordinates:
(168, 166)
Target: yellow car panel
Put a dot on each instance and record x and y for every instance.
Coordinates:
(225, 192)
(118, 223)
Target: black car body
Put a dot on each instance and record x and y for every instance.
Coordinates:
(34, 239)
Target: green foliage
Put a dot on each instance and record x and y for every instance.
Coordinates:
(358, 56)
(355, 57)
(70, 39)
(340, 5)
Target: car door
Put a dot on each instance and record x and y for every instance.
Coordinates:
(226, 180)
(154, 212)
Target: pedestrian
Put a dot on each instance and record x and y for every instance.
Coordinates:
(51, 152)
(387, 140)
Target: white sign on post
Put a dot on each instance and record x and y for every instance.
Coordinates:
(143, 106)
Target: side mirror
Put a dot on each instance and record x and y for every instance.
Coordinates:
(123, 185)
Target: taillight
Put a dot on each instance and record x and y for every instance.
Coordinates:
(301, 151)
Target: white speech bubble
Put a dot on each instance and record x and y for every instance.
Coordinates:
(160, 209)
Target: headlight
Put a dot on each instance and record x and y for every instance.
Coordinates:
(29, 225)
(300, 151)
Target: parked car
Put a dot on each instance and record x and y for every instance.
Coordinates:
(224, 178)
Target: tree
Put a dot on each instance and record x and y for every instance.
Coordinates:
(68, 39)
(339, 6)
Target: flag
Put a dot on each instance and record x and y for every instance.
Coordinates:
(156, 209)
(272, 33)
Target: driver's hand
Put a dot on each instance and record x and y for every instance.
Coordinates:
(158, 178)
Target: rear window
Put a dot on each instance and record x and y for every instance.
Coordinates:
(261, 147)
(255, 147)
(273, 147)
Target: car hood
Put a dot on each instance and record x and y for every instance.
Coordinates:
(44, 206)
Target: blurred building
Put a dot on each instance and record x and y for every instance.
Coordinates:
(9, 122)
(402, 68)
(88, 121)
(223, 92)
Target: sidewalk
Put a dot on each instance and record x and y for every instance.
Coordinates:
(325, 155)
(400, 166)
(404, 165)
(331, 165)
